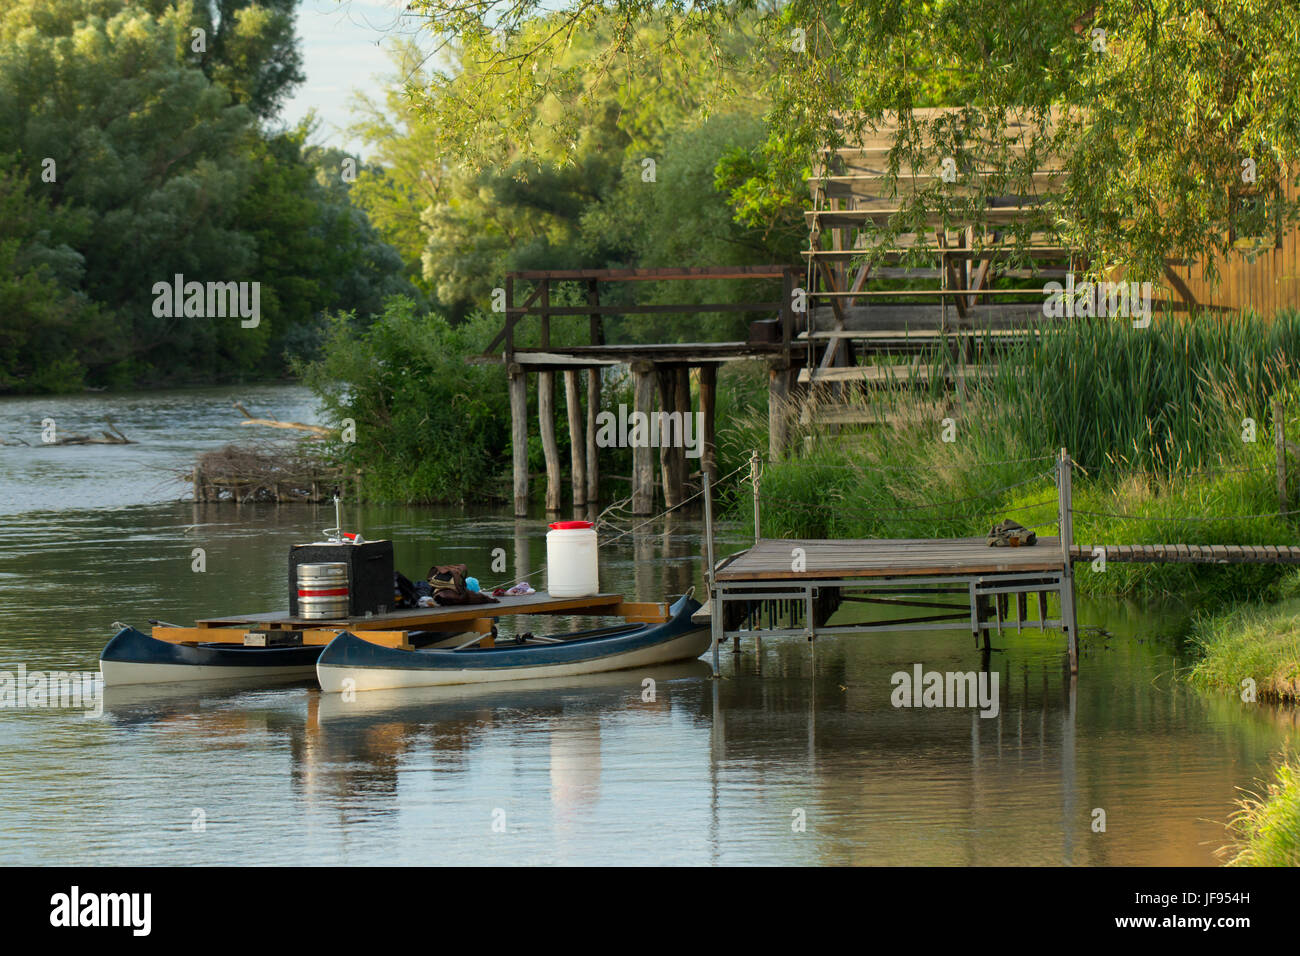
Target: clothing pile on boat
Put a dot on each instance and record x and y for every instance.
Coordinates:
(445, 585)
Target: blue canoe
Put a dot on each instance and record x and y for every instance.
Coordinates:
(132, 657)
(352, 664)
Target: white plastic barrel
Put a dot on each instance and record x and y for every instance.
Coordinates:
(572, 568)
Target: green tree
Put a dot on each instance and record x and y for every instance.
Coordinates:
(1155, 109)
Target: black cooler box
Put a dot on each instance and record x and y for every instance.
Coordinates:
(370, 573)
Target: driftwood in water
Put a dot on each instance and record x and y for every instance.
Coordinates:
(320, 430)
(114, 437)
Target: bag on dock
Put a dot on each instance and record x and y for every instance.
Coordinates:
(448, 583)
(1011, 534)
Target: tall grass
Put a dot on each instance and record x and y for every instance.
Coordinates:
(1266, 827)
(1164, 398)
(1252, 641)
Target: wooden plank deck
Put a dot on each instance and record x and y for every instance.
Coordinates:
(772, 559)
(438, 617)
(1190, 553)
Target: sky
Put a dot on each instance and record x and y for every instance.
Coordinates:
(344, 44)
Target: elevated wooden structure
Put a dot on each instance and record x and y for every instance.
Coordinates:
(661, 375)
(871, 307)
(947, 305)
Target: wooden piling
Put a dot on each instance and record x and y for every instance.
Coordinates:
(550, 448)
(667, 378)
(675, 401)
(708, 402)
(642, 460)
(682, 403)
(593, 452)
(778, 399)
(519, 438)
(577, 438)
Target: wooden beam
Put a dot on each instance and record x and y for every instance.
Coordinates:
(545, 312)
(577, 438)
(647, 611)
(642, 461)
(778, 412)
(685, 308)
(655, 275)
(315, 637)
(507, 331)
(597, 328)
(682, 403)
(550, 448)
(519, 438)
(828, 357)
(671, 460)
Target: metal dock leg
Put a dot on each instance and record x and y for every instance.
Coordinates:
(715, 626)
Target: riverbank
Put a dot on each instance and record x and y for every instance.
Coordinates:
(1253, 651)
(1266, 826)
(1253, 641)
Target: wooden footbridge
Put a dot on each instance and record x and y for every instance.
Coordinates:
(792, 587)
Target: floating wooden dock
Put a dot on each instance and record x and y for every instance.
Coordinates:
(792, 587)
(897, 557)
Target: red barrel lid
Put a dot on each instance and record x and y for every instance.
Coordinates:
(570, 525)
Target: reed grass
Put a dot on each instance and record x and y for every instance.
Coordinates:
(1266, 826)
(1252, 641)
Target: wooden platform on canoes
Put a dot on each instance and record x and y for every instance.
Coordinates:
(430, 617)
(771, 559)
(393, 629)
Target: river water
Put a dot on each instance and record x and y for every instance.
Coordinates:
(795, 756)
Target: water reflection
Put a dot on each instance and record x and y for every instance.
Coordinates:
(586, 771)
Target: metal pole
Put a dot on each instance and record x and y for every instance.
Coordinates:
(1069, 614)
(755, 472)
(715, 602)
(1065, 493)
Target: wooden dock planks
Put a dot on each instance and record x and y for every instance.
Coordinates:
(775, 559)
(1190, 553)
